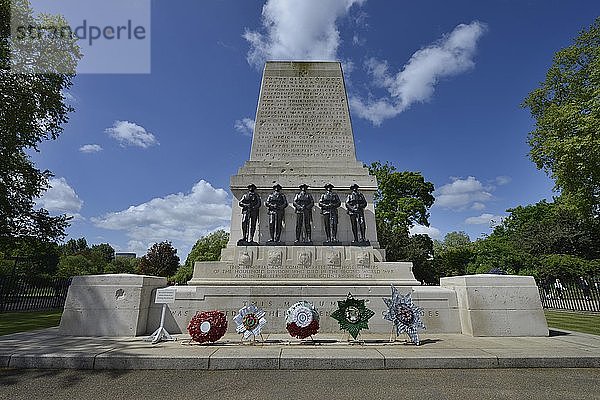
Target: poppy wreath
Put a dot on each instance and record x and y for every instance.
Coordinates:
(207, 326)
(302, 320)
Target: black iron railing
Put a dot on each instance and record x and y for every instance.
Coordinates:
(576, 295)
(32, 294)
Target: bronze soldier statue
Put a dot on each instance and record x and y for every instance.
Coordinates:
(329, 203)
(303, 203)
(355, 207)
(250, 203)
(276, 204)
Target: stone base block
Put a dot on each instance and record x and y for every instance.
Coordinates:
(108, 305)
(302, 265)
(498, 305)
(439, 304)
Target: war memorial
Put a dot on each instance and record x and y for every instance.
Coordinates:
(303, 229)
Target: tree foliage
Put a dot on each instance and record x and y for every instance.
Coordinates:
(32, 109)
(161, 260)
(207, 248)
(452, 255)
(546, 239)
(566, 108)
(401, 201)
(551, 228)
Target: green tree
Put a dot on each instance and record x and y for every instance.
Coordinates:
(207, 248)
(419, 250)
(498, 252)
(76, 265)
(566, 108)
(402, 200)
(161, 260)
(33, 109)
(551, 228)
(74, 247)
(32, 257)
(122, 265)
(452, 255)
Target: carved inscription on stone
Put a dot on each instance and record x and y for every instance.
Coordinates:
(302, 117)
(296, 272)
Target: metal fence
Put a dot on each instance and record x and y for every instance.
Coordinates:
(32, 294)
(575, 295)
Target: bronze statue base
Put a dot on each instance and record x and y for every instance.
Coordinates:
(331, 243)
(361, 243)
(242, 242)
(301, 243)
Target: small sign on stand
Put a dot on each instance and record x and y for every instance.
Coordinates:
(164, 296)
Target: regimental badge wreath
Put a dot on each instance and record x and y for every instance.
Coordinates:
(250, 321)
(302, 320)
(352, 315)
(404, 314)
(207, 326)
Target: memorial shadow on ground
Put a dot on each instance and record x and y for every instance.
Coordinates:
(552, 332)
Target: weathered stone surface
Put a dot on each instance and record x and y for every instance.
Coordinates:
(108, 305)
(306, 265)
(303, 134)
(303, 113)
(498, 305)
(439, 306)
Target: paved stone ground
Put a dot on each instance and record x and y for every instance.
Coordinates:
(45, 349)
(402, 384)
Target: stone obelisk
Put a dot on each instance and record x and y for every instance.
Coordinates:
(303, 134)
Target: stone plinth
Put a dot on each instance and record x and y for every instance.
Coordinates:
(302, 265)
(439, 304)
(498, 305)
(108, 305)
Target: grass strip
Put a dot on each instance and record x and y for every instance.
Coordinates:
(574, 321)
(13, 322)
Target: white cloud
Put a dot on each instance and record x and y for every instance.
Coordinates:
(179, 218)
(298, 30)
(245, 126)
(90, 148)
(485, 219)
(60, 198)
(477, 206)
(502, 180)
(415, 83)
(461, 194)
(432, 232)
(131, 134)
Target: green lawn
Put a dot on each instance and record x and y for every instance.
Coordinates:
(13, 322)
(574, 321)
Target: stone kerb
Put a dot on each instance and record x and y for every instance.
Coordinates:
(109, 305)
(498, 305)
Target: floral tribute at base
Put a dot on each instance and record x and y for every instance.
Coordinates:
(404, 314)
(302, 320)
(352, 315)
(207, 326)
(249, 321)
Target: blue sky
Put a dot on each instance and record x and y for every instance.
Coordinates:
(435, 87)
